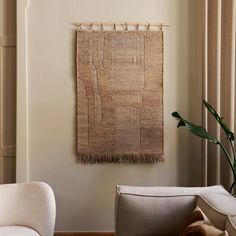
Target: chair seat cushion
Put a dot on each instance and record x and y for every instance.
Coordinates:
(17, 231)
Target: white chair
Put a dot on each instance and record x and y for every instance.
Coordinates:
(27, 209)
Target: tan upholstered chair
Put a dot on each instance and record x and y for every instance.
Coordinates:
(152, 211)
(27, 209)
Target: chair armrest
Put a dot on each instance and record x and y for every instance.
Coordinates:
(217, 205)
(28, 204)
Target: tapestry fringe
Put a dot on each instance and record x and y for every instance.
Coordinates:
(119, 158)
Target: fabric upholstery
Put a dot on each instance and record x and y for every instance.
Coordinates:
(17, 231)
(231, 225)
(197, 223)
(217, 205)
(142, 211)
(166, 191)
(151, 210)
(28, 204)
(195, 216)
(200, 228)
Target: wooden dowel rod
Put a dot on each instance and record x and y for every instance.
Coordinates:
(120, 24)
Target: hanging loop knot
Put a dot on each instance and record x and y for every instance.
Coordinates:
(126, 27)
(161, 27)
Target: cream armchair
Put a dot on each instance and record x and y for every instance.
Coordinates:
(27, 209)
(152, 211)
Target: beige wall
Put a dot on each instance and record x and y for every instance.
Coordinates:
(85, 193)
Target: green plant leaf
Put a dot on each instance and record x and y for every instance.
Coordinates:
(202, 133)
(176, 115)
(195, 129)
(234, 165)
(181, 123)
(229, 134)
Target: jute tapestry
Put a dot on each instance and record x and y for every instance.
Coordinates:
(119, 96)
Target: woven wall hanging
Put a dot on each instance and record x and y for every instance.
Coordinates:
(119, 96)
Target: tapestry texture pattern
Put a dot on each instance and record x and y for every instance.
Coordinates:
(119, 96)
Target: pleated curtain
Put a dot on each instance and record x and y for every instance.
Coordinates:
(218, 83)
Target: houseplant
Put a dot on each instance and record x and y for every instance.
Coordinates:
(202, 133)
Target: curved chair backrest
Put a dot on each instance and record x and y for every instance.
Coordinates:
(28, 204)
